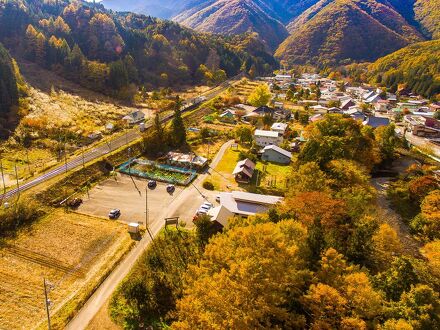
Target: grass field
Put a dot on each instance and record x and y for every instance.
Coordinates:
(271, 177)
(71, 251)
(221, 176)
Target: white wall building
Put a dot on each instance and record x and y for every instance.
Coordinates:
(266, 138)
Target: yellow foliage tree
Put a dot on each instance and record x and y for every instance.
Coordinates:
(386, 245)
(365, 302)
(245, 279)
(260, 96)
(326, 305)
(432, 253)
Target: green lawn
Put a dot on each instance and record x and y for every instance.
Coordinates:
(271, 177)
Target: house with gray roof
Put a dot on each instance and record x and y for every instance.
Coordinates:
(244, 170)
(241, 204)
(276, 154)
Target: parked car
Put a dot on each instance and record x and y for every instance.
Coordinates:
(114, 214)
(152, 184)
(171, 188)
(208, 204)
(74, 203)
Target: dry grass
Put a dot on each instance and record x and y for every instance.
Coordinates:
(68, 249)
(102, 321)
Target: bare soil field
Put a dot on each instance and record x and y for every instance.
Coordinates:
(68, 249)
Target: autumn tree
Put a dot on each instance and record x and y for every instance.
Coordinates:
(387, 141)
(260, 96)
(386, 246)
(243, 133)
(245, 280)
(397, 278)
(336, 137)
(31, 42)
(428, 221)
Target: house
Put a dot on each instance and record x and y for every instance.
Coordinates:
(276, 155)
(279, 127)
(282, 115)
(355, 113)
(319, 108)
(95, 136)
(244, 170)
(334, 110)
(345, 105)
(376, 122)
(110, 127)
(241, 204)
(227, 116)
(423, 126)
(265, 111)
(278, 105)
(134, 117)
(382, 106)
(373, 99)
(264, 138)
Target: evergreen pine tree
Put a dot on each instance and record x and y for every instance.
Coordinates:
(178, 127)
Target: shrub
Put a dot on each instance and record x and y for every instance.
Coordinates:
(208, 185)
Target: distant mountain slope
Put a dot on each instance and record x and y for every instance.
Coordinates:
(338, 31)
(417, 66)
(230, 17)
(427, 13)
(156, 8)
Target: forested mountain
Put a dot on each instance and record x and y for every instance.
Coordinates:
(231, 17)
(427, 13)
(341, 31)
(8, 83)
(416, 67)
(115, 52)
(324, 32)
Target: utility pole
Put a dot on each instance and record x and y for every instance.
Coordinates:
(47, 303)
(27, 159)
(16, 177)
(82, 153)
(65, 153)
(3, 177)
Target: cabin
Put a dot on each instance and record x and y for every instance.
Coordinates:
(244, 170)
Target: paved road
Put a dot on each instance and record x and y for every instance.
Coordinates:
(103, 293)
(100, 150)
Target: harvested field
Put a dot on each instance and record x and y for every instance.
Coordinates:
(69, 250)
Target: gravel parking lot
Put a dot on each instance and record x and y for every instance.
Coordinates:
(124, 194)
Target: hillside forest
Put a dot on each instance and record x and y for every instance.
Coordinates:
(117, 53)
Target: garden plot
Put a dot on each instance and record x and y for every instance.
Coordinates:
(160, 172)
